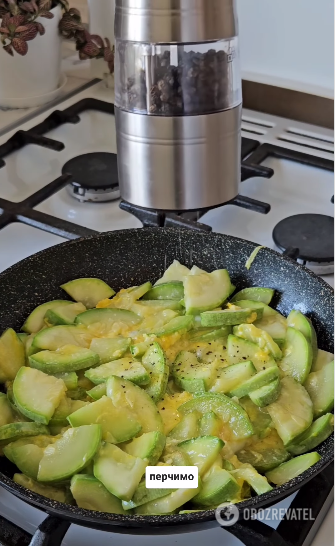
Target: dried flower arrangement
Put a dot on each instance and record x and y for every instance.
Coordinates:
(19, 25)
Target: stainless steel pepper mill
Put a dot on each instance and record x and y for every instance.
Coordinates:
(178, 102)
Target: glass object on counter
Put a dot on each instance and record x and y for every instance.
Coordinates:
(177, 79)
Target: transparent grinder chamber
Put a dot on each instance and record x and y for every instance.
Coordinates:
(178, 107)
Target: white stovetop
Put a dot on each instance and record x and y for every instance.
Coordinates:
(294, 189)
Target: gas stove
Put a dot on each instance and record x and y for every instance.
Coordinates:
(58, 181)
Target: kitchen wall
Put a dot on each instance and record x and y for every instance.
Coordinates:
(289, 43)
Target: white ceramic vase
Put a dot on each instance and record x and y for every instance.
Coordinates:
(101, 17)
(33, 79)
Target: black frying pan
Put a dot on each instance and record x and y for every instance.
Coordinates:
(127, 258)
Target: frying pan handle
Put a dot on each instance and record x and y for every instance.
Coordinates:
(256, 533)
(51, 532)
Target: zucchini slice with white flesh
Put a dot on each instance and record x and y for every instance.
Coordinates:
(149, 446)
(210, 424)
(202, 451)
(125, 394)
(255, 293)
(272, 322)
(107, 316)
(323, 358)
(14, 431)
(240, 349)
(56, 337)
(70, 454)
(64, 314)
(297, 356)
(320, 387)
(120, 472)
(255, 382)
(187, 429)
(266, 395)
(169, 503)
(256, 481)
(69, 358)
(70, 379)
(292, 413)
(91, 494)
(177, 324)
(210, 334)
(126, 298)
(259, 418)
(218, 486)
(317, 433)
(7, 415)
(298, 321)
(58, 494)
(117, 425)
(167, 291)
(110, 349)
(251, 333)
(37, 395)
(65, 408)
(233, 376)
(27, 458)
(126, 368)
(146, 308)
(88, 291)
(143, 495)
(155, 364)
(176, 272)
(98, 391)
(291, 469)
(191, 375)
(12, 355)
(264, 454)
(206, 291)
(35, 321)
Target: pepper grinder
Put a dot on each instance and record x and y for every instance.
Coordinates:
(178, 98)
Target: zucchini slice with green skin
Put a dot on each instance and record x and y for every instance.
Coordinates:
(98, 391)
(169, 503)
(39, 441)
(69, 358)
(143, 495)
(317, 433)
(7, 414)
(27, 458)
(12, 355)
(186, 429)
(256, 382)
(297, 356)
(58, 494)
(298, 321)
(176, 272)
(229, 411)
(65, 408)
(14, 431)
(23, 338)
(107, 316)
(251, 333)
(70, 379)
(206, 291)
(64, 314)
(202, 451)
(177, 458)
(264, 454)
(155, 364)
(56, 337)
(266, 395)
(272, 322)
(292, 413)
(229, 317)
(320, 387)
(125, 394)
(191, 375)
(166, 291)
(259, 418)
(139, 349)
(37, 394)
(88, 291)
(210, 424)
(210, 334)
(144, 308)
(323, 358)
(120, 472)
(293, 468)
(70, 454)
(177, 324)
(240, 349)
(127, 297)
(91, 494)
(233, 376)
(218, 486)
(255, 293)
(35, 321)
(257, 482)
(149, 446)
(117, 425)
(125, 367)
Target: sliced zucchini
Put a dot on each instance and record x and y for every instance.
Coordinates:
(229, 411)
(256, 382)
(292, 413)
(177, 458)
(12, 355)
(320, 387)
(64, 314)
(110, 349)
(125, 394)
(210, 424)
(176, 272)
(69, 358)
(275, 325)
(264, 454)
(317, 433)
(118, 471)
(155, 364)
(117, 425)
(139, 349)
(35, 321)
(65, 408)
(323, 358)
(23, 338)
(240, 349)
(41, 441)
(177, 324)
(27, 458)
(7, 414)
(125, 367)
(56, 337)
(233, 376)
(229, 317)
(70, 454)
(259, 418)
(58, 494)
(169, 503)
(126, 298)
(210, 334)
(88, 291)
(107, 316)
(91, 494)
(298, 321)
(143, 495)
(185, 430)
(255, 293)
(257, 482)
(251, 333)
(297, 356)
(145, 308)
(218, 486)
(202, 451)
(191, 375)
(37, 395)
(149, 446)
(70, 379)
(14, 431)
(98, 391)
(291, 469)
(266, 395)
(166, 291)
(206, 291)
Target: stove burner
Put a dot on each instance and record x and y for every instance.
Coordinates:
(312, 235)
(95, 177)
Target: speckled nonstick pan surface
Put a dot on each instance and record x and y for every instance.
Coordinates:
(131, 257)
